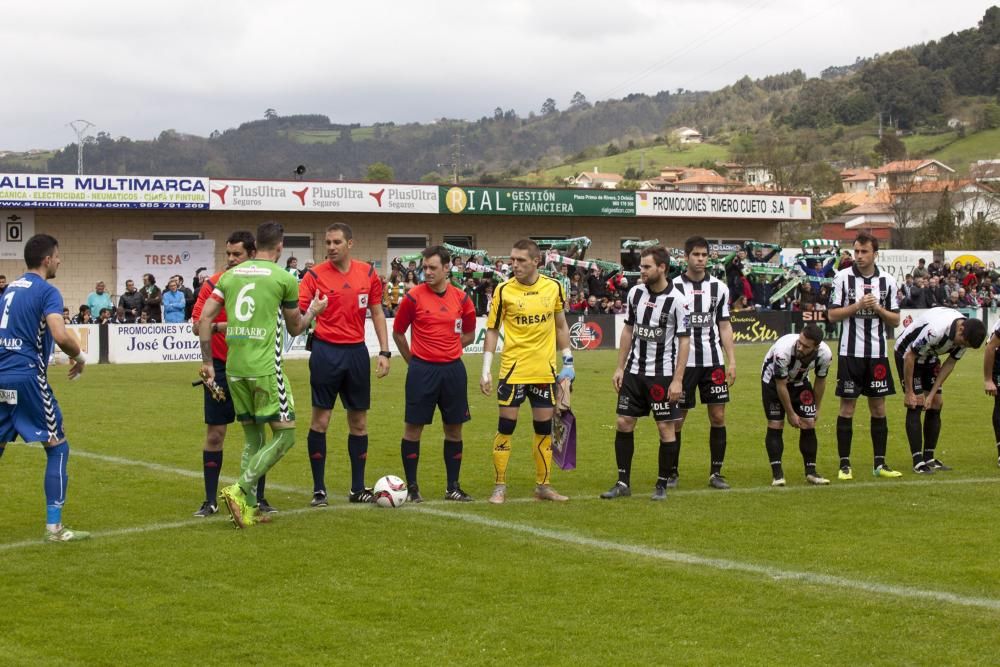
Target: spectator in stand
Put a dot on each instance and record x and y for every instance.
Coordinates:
(953, 300)
(131, 301)
(292, 266)
(66, 318)
(83, 317)
(907, 286)
(595, 286)
(395, 289)
(936, 269)
(605, 304)
(104, 317)
(761, 286)
(411, 280)
(201, 274)
(951, 286)
(920, 270)
(618, 307)
(173, 303)
(966, 299)
(936, 291)
(3, 283)
(309, 264)
(919, 298)
(807, 298)
(740, 304)
(576, 288)
(846, 261)
(987, 297)
(823, 298)
(120, 316)
(189, 297)
(579, 304)
(144, 318)
(592, 307)
(152, 297)
(99, 298)
(971, 280)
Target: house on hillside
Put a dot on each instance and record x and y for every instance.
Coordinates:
(756, 176)
(985, 171)
(595, 179)
(896, 174)
(969, 200)
(690, 179)
(858, 180)
(688, 135)
(665, 181)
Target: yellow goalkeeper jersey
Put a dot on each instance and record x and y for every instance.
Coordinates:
(527, 315)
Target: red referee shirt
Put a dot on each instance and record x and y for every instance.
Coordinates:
(219, 348)
(438, 322)
(349, 296)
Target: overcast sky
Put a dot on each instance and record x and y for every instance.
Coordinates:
(136, 68)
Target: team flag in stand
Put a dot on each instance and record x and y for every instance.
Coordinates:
(564, 429)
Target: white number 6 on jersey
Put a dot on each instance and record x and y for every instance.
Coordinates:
(245, 303)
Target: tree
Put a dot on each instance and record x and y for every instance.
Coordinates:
(940, 229)
(270, 114)
(578, 102)
(890, 148)
(379, 172)
(549, 107)
(498, 114)
(612, 149)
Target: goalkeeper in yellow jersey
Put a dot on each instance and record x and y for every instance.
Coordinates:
(529, 307)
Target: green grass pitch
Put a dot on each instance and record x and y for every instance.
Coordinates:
(869, 571)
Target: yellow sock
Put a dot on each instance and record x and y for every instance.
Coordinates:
(542, 448)
(501, 455)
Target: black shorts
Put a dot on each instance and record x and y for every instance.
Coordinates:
(924, 375)
(864, 377)
(711, 384)
(432, 385)
(803, 400)
(340, 370)
(218, 413)
(640, 394)
(538, 395)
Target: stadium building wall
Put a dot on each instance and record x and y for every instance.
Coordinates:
(88, 237)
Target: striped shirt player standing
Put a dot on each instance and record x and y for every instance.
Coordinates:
(443, 322)
(256, 294)
(339, 364)
(652, 355)
(706, 304)
(991, 378)
(933, 333)
(31, 319)
(864, 299)
(786, 391)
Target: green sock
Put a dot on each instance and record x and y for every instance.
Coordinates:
(264, 459)
(253, 440)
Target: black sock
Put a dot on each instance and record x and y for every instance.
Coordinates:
(212, 465)
(357, 449)
(914, 434)
(996, 421)
(261, 483)
(845, 433)
(775, 446)
(666, 460)
(452, 462)
(808, 446)
(676, 469)
(717, 447)
(624, 449)
(316, 444)
(410, 451)
(880, 439)
(932, 429)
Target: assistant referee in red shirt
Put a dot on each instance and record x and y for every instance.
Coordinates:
(339, 363)
(444, 322)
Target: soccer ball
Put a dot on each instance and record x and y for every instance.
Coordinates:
(390, 491)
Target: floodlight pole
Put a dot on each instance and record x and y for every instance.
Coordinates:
(79, 126)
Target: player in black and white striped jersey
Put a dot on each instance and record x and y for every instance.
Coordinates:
(991, 378)
(935, 332)
(864, 299)
(786, 391)
(652, 355)
(706, 303)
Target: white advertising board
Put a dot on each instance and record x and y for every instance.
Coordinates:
(722, 205)
(988, 258)
(72, 191)
(162, 259)
(152, 343)
(242, 195)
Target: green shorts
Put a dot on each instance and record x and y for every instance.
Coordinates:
(265, 399)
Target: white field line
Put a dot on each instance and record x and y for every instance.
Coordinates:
(681, 558)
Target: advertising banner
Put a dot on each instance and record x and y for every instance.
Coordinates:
(987, 258)
(591, 332)
(899, 263)
(537, 201)
(242, 195)
(70, 191)
(759, 327)
(831, 330)
(17, 227)
(722, 205)
(148, 343)
(88, 336)
(162, 259)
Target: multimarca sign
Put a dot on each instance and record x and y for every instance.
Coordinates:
(68, 191)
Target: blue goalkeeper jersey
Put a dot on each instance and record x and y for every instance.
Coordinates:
(25, 339)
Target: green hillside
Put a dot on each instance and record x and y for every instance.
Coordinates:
(649, 159)
(958, 155)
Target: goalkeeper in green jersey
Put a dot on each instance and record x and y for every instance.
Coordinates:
(256, 294)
